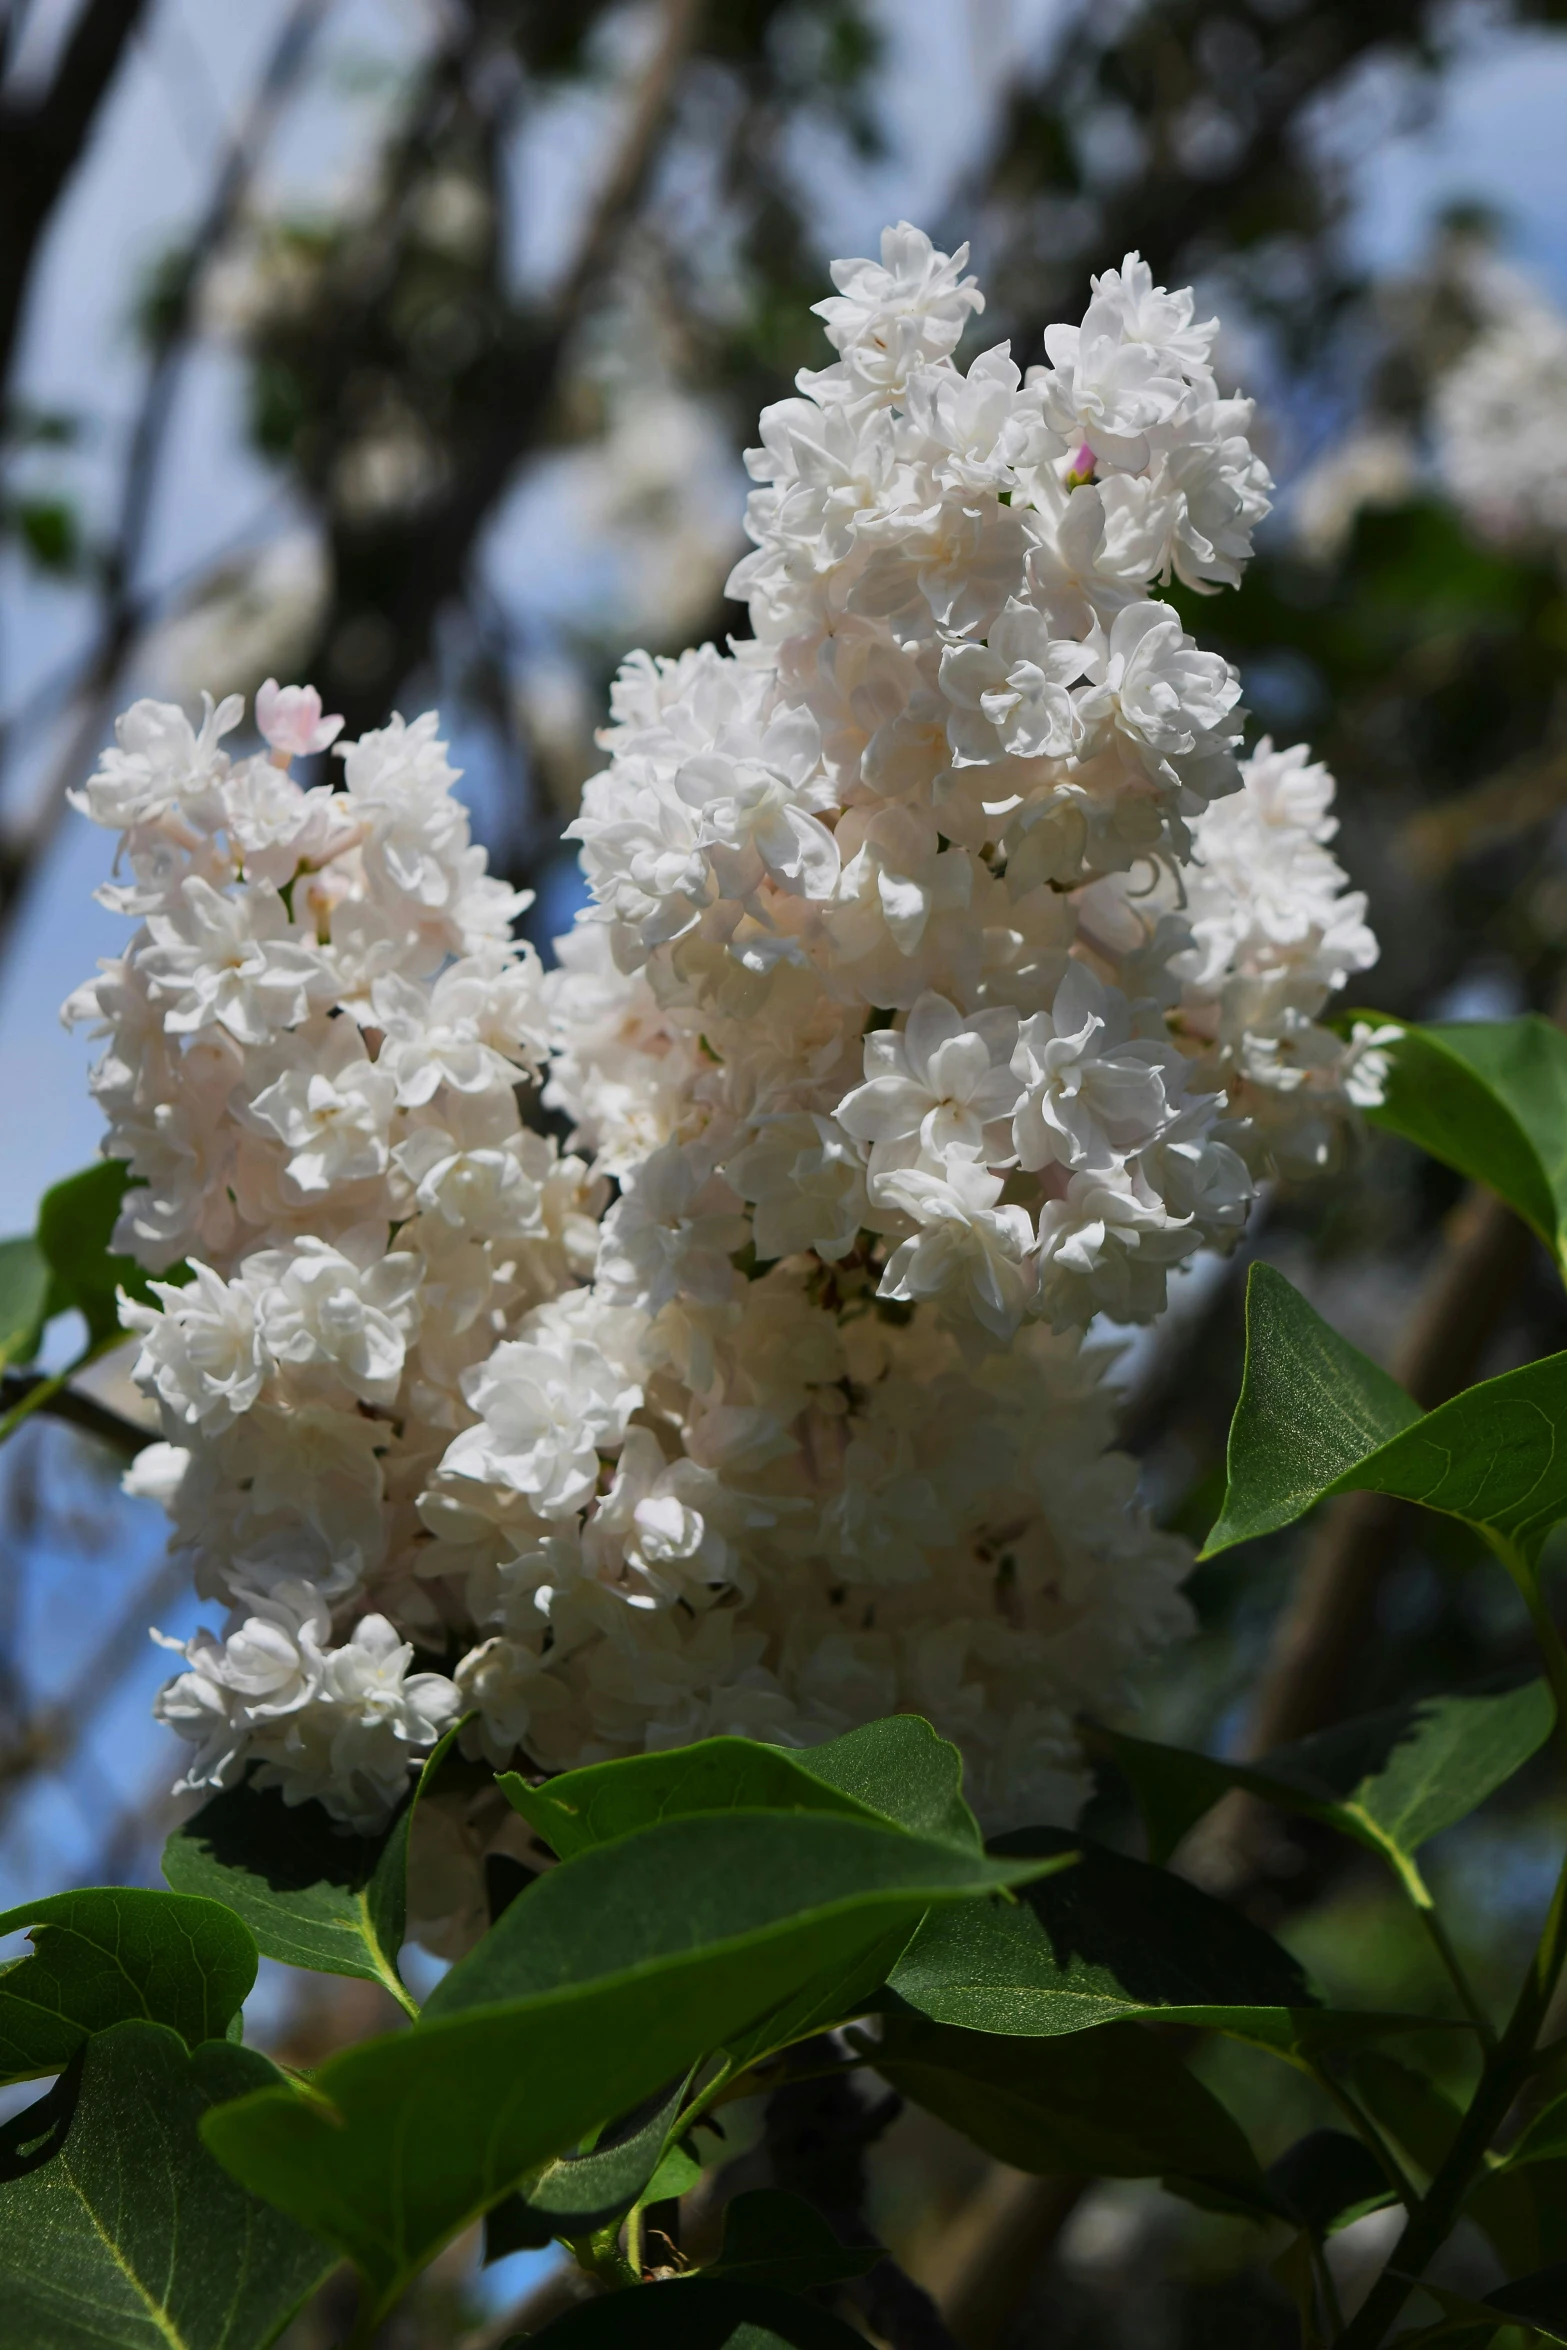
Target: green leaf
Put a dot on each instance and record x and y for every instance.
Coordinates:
(1104, 1938)
(901, 1768)
(312, 1894)
(24, 1287)
(580, 2192)
(613, 1973)
(1409, 2106)
(1316, 1418)
(1114, 2103)
(1489, 1098)
(1539, 2301)
(691, 2314)
(112, 1953)
(118, 2228)
(774, 2238)
(1392, 1780)
(1327, 2179)
(895, 1770)
(76, 1221)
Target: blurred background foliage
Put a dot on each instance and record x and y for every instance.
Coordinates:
(426, 375)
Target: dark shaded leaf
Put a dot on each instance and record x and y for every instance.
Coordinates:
(1104, 1938)
(1113, 2103)
(691, 2314)
(115, 1952)
(1392, 1779)
(116, 2225)
(774, 2238)
(613, 1973)
(580, 2192)
(1327, 2179)
(1317, 1418)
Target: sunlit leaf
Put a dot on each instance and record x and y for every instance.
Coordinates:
(1489, 1098)
(24, 1289)
(897, 1770)
(111, 1953)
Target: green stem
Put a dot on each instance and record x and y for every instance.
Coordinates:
(1506, 2071)
(634, 2241)
(600, 2255)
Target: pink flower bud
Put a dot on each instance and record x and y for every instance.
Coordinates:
(289, 716)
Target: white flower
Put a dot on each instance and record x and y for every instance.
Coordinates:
(329, 1313)
(1091, 1092)
(233, 962)
(969, 1251)
(940, 1088)
(1010, 693)
(807, 1181)
(671, 1233)
(547, 1408)
(910, 306)
(331, 1105)
(158, 763)
(1153, 685)
(202, 1354)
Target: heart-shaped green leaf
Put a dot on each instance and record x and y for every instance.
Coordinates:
(1105, 1938)
(774, 2238)
(1113, 2103)
(691, 2314)
(1392, 1779)
(1489, 1098)
(116, 2225)
(1316, 1418)
(115, 1952)
(897, 1770)
(24, 1288)
(312, 1894)
(599, 1984)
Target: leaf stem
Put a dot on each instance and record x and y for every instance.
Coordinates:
(1419, 1893)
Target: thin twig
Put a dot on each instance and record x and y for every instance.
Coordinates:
(17, 1388)
(121, 605)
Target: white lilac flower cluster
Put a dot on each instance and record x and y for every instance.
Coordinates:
(1500, 416)
(949, 979)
